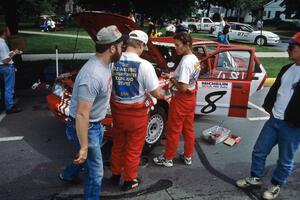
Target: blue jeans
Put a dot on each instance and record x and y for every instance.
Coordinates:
(8, 73)
(93, 167)
(274, 132)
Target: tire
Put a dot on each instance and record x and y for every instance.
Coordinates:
(261, 40)
(193, 28)
(156, 128)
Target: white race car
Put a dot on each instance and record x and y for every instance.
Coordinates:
(246, 33)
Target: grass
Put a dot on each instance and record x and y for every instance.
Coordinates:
(46, 44)
(273, 65)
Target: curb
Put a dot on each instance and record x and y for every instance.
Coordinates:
(269, 82)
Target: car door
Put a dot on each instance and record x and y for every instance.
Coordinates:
(224, 86)
(206, 24)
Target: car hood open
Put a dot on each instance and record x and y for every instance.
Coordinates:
(93, 21)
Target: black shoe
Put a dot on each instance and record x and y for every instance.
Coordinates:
(115, 180)
(128, 185)
(14, 109)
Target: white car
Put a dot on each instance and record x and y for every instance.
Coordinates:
(246, 33)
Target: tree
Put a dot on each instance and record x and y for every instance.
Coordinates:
(166, 8)
(292, 7)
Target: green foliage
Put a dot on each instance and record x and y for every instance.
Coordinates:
(34, 8)
(292, 7)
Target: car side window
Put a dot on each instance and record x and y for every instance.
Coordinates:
(206, 21)
(199, 52)
(231, 65)
(211, 48)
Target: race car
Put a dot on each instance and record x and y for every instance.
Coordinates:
(246, 33)
(229, 75)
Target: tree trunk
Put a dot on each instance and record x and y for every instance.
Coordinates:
(10, 12)
(208, 9)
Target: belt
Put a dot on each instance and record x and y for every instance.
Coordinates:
(97, 122)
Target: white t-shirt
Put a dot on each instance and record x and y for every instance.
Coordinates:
(171, 28)
(4, 51)
(285, 92)
(131, 76)
(188, 71)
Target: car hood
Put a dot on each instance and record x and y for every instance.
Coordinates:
(265, 33)
(93, 21)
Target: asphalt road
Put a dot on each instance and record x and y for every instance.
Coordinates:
(29, 165)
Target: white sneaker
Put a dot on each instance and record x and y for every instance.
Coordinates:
(186, 160)
(249, 182)
(272, 192)
(161, 160)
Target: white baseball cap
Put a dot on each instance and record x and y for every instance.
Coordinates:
(139, 35)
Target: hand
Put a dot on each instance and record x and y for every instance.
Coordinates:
(11, 54)
(17, 51)
(81, 156)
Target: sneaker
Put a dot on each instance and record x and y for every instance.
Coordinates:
(161, 160)
(249, 182)
(272, 192)
(115, 180)
(128, 185)
(14, 109)
(186, 160)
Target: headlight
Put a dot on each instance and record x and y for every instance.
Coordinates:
(58, 90)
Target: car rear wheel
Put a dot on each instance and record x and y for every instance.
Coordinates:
(260, 40)
(156, 128)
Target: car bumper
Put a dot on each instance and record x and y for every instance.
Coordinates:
(53, 103)
(273, 40)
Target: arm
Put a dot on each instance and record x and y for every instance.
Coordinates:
(82, 125)
(10, 57)
(182, 87)
(155, 93)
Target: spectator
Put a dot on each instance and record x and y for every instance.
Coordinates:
(89, 103)
(222, 24)
(7, 70)
(282, 129)
(224, 36)
(260, 24)
(170, 30)
(152, 31)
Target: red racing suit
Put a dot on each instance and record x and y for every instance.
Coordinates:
(129, 133)
(181, 120)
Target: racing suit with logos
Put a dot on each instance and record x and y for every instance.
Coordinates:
(131, 76)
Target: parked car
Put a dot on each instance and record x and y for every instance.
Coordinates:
(201, 24)
(246, 33)
(229, 75)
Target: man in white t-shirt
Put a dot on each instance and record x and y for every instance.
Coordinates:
(282, 129)
(132, 76)
(7, 70)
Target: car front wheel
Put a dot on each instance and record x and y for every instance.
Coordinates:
(260, 40)
(156, 128)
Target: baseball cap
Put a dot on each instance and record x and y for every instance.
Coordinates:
(139, 35)
(108, 35)
(295, 39)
